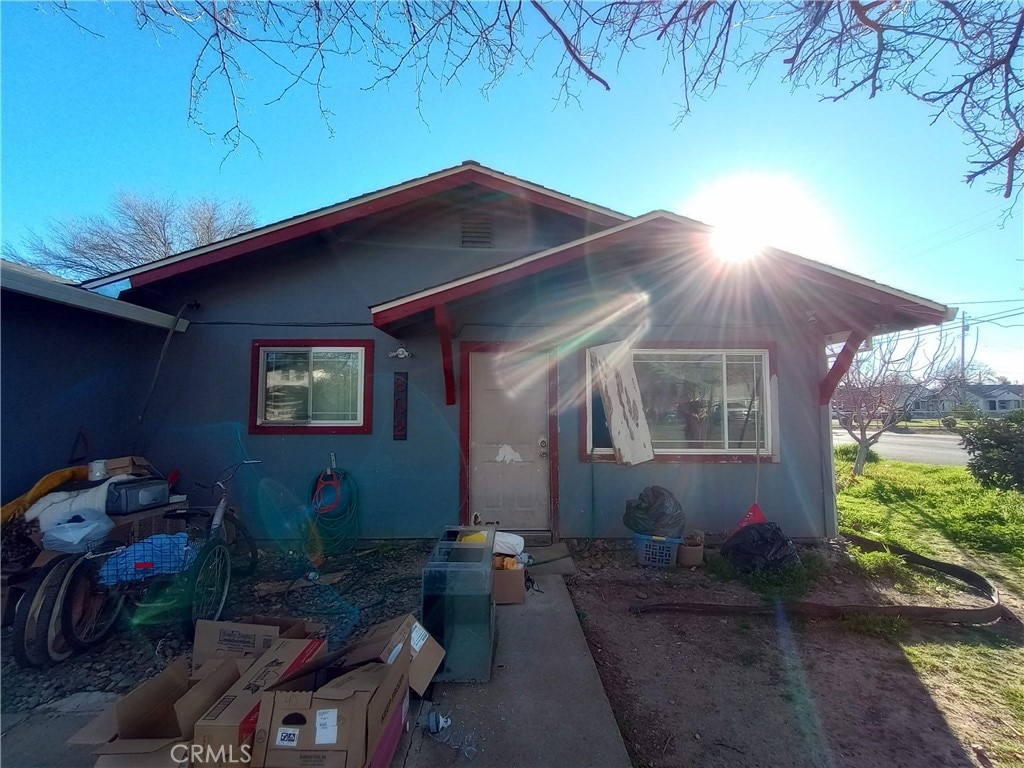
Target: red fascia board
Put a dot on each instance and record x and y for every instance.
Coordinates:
(415, 306)
(877, 295)
(444, 332)
(369, 208)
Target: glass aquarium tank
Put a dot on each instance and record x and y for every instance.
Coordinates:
(457, 608)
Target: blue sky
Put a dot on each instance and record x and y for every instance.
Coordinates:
(867, 185)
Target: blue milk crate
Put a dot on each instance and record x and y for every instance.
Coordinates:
(655, 550)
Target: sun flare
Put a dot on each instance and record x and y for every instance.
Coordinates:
(751, 211)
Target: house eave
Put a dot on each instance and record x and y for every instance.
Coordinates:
(350, 210)
(73, 296)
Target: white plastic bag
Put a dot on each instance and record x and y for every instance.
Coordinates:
(508, 544)
(74, 538)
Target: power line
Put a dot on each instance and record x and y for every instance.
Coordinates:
(993, 301)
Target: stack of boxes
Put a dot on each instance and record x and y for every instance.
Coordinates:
(271, 701)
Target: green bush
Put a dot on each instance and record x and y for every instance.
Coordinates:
(996, 448)
(849, 453)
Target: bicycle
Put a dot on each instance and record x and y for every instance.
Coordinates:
(187, 573)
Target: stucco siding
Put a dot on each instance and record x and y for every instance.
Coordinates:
(321, 289)
(65, 368)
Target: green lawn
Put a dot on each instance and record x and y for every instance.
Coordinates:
(929, 509)
(944, 513)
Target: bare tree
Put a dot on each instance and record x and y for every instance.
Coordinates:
(884, 381)
(136, 230)
(961, 58)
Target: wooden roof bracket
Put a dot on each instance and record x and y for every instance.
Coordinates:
(443, 322)
(841, 365)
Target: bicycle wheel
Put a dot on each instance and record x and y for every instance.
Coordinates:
(90, 610)
(244, 553)
(50, 638)
(208, 582)
(29, 650)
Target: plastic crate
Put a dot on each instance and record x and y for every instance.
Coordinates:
(655, 550)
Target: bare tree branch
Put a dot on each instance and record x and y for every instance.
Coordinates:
(136, 230)
(962, 57)
(883, 383)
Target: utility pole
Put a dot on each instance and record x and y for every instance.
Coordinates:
(963, 334)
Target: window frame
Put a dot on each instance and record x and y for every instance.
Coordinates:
(257, 389)
(769, 350)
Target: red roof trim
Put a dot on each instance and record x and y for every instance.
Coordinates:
(385, 317)
(378, 202)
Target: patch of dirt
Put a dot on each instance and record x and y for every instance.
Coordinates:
(756, 691)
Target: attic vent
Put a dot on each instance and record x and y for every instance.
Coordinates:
(477, 232)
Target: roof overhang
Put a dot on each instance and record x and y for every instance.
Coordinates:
(356, 208)
(73, 296)
(882, 308)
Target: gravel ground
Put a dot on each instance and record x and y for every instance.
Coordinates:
(375, 584)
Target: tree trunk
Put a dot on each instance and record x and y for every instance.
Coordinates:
(862, 458)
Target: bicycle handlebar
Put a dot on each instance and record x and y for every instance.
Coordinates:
(233, 469)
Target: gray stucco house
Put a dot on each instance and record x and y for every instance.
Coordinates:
(471, 344)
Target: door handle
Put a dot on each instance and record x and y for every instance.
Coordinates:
(542, 443)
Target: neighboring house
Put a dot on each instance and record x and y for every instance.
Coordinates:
(989, 399)
(471, 344)
(994, 399)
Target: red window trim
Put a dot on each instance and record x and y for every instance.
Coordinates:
(678, 458)
(255, 428)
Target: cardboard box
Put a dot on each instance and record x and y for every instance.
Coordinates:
(143, 727)
(231, 721)
(128, 465)
(382, 641)
(338, 726)
(388, 744)
(508, 586)
(250, 636)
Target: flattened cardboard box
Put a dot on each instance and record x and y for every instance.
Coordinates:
(143, 726)
(231, 721)
(381, 640)
(338, 726)
(248, 636)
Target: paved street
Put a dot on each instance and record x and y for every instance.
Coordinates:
(923, 449)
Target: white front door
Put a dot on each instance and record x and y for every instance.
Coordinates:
(508, 439)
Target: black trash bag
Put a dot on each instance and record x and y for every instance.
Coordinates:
(655, 513)
(760, 548)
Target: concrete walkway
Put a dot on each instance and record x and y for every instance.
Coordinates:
(543, 706)
(37, 739)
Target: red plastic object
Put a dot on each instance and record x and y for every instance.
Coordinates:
(754, 515)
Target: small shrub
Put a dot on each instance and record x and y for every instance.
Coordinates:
(996, 447)
(848, 453)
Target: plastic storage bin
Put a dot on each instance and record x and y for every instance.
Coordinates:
(655, 550)
(457, 606)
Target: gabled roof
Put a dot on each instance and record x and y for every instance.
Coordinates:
(469, 172)
(993, 390)
(41, 285)
(913, 311)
